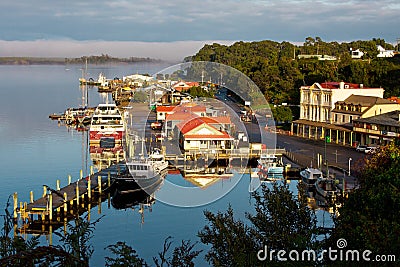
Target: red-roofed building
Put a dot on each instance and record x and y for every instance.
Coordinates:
(196, 134)
(394, 99)
(162, 111)
(182, 113)
(184, 86)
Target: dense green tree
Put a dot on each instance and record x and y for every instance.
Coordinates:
(370, 217)
(280, 221)
(197, 91)
(125, 255)
(276, 70)
(282, 114)
(139, 97)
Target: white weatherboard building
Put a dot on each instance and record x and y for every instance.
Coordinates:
(318, 100)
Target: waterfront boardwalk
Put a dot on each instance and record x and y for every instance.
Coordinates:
(59, 203)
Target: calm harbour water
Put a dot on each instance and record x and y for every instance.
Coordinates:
(36, 151)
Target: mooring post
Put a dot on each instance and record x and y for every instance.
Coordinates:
(69, 179)
(44, 191)
(77, 194)
(109, 179)
(50, 206)
(99, 183)
(89, 188)
(31, 196)
(50, 235)
(91, 170)
(58, 184)
(65, 203)
(88, 209)
(15, 197)
(117, 156)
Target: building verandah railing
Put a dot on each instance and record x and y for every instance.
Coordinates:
(320, 131)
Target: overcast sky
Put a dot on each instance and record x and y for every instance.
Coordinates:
(70, 28)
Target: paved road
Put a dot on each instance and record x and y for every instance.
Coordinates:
(335, 154)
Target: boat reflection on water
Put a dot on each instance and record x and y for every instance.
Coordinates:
(105, 153)
(129, 193)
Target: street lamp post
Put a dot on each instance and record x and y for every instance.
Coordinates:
(350, 159)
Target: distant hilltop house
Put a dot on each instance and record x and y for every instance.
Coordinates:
(357, 54)
(319, 57)
(382, 52)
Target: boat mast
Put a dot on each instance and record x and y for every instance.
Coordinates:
(85, 93)
(86, 88)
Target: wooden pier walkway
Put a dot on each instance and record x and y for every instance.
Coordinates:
(60, 203)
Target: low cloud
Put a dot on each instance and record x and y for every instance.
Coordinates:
(168, 51)
(182, 20)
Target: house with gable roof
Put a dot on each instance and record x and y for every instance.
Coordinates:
(358, 106)
(197, 135)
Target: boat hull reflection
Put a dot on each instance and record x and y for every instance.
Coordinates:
(130, 192)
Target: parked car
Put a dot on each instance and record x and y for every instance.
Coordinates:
(361, 148)
(160, 137)
(156, 125)
(370, 150)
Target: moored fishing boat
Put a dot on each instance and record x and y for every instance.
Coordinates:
(268, 166)
(326, 187)
(147, 167)
(310, 175)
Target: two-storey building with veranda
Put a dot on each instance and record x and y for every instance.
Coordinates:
(318, 100)
(316, 104)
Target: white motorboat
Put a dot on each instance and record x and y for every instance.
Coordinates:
(310, 176)
(107, 124)
(269, 165)
(147, 167)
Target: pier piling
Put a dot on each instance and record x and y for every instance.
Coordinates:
(65, 202)
(44, 191)
(50, 206)
(99, 183)
(89, 189)
(77, 194)
(31, 196)
(15, 198)
(58, 185)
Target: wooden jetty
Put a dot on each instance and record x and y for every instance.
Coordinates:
(57, 206)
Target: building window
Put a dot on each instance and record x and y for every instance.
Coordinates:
(343, 118)
(351, 119)
(335, 117)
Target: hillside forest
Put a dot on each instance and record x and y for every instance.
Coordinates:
(278, 71)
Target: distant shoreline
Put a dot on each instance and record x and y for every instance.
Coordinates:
(92, 60)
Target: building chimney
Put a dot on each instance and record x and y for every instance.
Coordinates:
(361, 86)
(341, 85)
